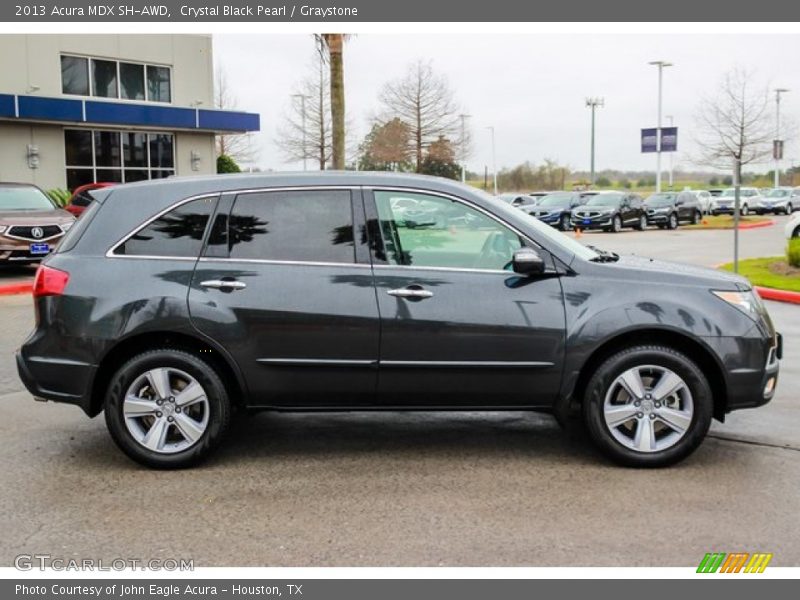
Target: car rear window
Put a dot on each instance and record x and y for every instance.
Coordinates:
(178, 233)
(301, 226)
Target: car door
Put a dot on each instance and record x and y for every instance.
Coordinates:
(458, 328)
(285, 287)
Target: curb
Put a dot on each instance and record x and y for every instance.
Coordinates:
(778, 295)
(742, 226)
(16, 288)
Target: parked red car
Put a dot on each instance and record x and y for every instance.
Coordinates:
(81, 198)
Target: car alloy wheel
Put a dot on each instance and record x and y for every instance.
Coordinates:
(673, 221)
(696, 217)
(616, 224)
(565, 223)
(789, 209)
(166, 410)
(648, 408)
(642, 223)
(745, 210)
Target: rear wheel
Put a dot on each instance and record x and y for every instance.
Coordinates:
(745, 210)
(696, 217)
(642, 225)
(167, 408)
(789, 209)
(564, 223)
(648, 406)
(616, 224)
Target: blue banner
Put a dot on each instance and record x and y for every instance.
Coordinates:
(650, 140)
(669, 139)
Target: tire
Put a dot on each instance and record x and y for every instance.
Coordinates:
(745, 210)
(796, 233)
(692, 407)
(696, 217)
(672, 222)
(616, 224)
(642, 223)
(564, 223)
(204, 414)
(789, 209)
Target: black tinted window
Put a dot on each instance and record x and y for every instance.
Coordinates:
(176, 233)
(315, 226)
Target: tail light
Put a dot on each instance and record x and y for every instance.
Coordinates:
(49, 282)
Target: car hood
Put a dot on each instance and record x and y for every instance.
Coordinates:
(35, 217)
(586, 207)
(679, 273)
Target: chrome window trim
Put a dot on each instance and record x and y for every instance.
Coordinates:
(450, 269)
(468, 203)
(110, 253)
(266, 261)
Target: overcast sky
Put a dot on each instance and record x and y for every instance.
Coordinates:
(531, 88)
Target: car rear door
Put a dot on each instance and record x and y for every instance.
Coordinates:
(458, 328)
(285, 286)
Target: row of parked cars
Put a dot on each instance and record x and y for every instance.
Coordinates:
(615, 210)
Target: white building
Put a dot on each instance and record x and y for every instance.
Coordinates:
(81, 108)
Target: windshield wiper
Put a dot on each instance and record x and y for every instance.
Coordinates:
(603, 255)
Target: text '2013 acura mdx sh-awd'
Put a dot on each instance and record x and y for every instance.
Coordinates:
(169, 304)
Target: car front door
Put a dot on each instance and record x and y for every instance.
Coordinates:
(458, 328)
(285, 287)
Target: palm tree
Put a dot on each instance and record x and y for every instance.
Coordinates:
(333, 43)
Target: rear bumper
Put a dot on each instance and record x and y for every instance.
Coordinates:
(57, 380)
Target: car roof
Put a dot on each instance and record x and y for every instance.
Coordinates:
(18, 184)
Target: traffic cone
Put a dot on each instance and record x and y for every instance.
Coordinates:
(578, 232)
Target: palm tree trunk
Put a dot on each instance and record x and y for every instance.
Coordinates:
(335, 43)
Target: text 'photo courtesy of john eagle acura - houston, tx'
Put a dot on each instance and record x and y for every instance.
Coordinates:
(172, 304)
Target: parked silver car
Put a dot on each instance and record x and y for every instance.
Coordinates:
(783, 200)
(750, 200)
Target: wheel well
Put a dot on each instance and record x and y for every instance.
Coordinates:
(676, 341)
(137, 344)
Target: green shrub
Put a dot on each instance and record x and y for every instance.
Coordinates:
(793, 252)
(225, 164)
(60, 196)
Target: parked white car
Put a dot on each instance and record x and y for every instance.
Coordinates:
(792, 228)
(750, 200)
(783, 200)
(703, 198)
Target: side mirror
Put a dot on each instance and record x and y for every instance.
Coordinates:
(527, 261)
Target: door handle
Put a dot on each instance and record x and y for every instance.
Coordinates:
(411, 292)
(223, 284)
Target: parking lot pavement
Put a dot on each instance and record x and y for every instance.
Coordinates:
(16, 274)
(369, 489)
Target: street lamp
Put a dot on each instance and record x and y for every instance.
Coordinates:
(593, 103)
(661, 64)
(303, 120)
(777, 150)
(494, 160)
(671, 120)
(463, 118)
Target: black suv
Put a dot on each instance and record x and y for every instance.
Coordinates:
(610, 211)
(171, 303)
(668, 209)
(556, 209)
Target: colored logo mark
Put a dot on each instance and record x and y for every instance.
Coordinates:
(736, 562)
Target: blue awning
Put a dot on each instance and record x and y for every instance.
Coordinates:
(130, 114)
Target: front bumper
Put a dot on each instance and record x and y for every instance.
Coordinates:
(657, 218)
(598, 222)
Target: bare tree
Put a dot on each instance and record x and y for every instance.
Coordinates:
(235, 145)
(309, 137)
(734, 128)
(424, 101)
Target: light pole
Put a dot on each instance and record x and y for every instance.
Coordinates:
(671, 120)
(494, 160)
(778, 93)
(593, 103)
(463, 118)
(660, 64)
(303, 121)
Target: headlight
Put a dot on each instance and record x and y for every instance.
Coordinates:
(65, 226)
(748, 302)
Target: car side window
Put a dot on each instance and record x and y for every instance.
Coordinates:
(636, 202)
(177, 233)
(440, 232)
(298, 226)
(82, 199)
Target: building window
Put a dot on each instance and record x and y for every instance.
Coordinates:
(117, 156)
(75, 75)
(82, 76)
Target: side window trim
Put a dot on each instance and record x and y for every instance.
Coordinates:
(112, 251)
(376, 233)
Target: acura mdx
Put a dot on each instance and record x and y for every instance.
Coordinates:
(170, 304)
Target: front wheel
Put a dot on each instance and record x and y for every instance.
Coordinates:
(642, 225)
(789, 210)
(648, 406)
(745, 210)
(696, 217)
(673, 221)
(167, 408)
(616, 224)
(564, 223)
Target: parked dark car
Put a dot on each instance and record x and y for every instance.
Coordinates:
(517, 200)
(556, 209)
(171, 303)
(668, 209)
(31, 225)
(610, 211)
(82, 197)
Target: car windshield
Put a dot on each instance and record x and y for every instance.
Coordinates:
(661, 200)
(556, 200)
(545, 231)
(778, 193)
(605, 200)
(731, 193)
(24, 198)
